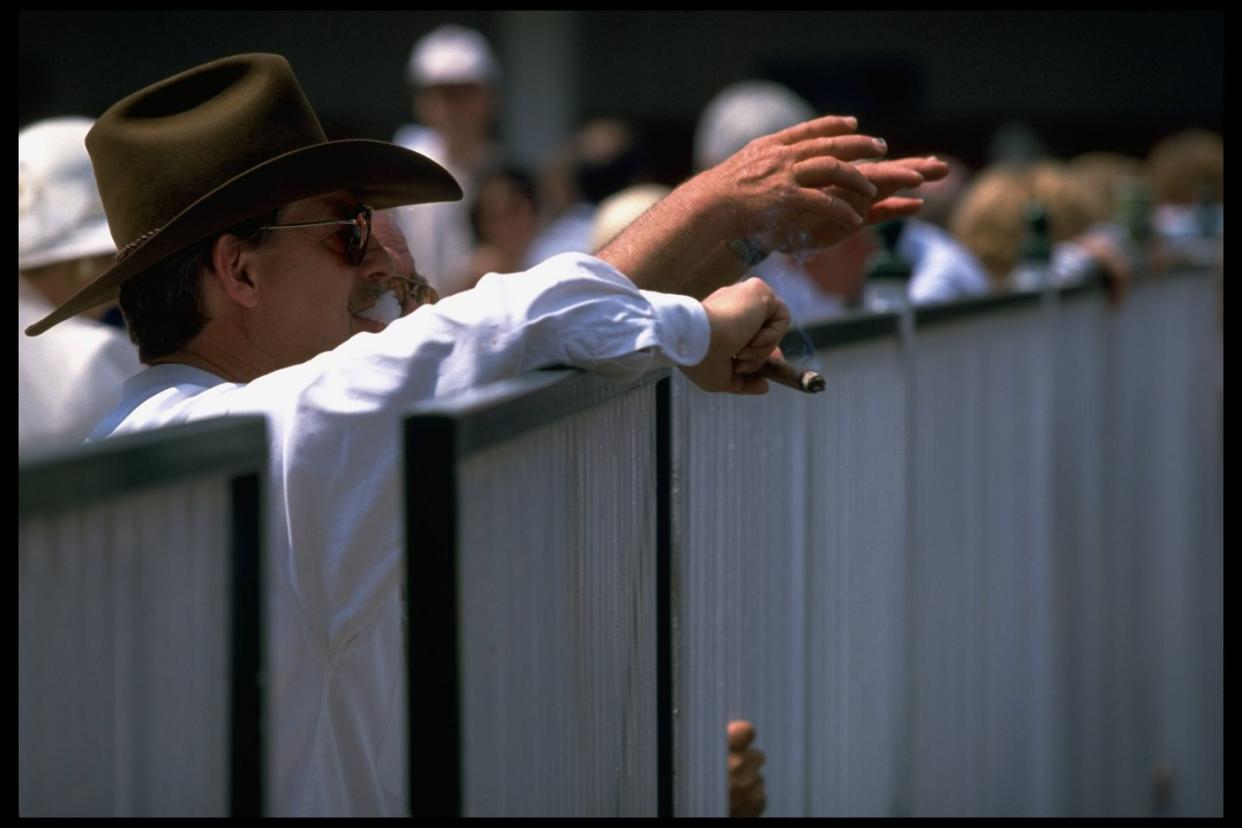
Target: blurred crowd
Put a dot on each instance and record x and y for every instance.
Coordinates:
(1023, 220)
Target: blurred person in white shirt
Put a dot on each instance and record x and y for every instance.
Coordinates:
(69, 379)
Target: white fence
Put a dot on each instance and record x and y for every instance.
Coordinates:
(138, 626)
(980, 575)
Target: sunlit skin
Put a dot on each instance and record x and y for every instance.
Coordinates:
(747, 796)
(305, 283)
(792, 191)
(387, 233)
(286, 301)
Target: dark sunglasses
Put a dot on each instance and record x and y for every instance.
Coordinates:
(358, 239)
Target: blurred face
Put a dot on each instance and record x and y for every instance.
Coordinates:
(840, 270)
(458, 110)
(506, 217)
(305, 288)
(58, 282)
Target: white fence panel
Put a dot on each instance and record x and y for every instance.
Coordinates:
(127, 623)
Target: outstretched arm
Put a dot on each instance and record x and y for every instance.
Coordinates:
(783, 189)
(795, 190)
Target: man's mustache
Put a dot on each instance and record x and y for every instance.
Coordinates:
(367, 295)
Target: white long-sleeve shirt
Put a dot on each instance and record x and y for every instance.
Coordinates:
(335, 649)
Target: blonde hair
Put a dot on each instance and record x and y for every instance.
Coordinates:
(1188, 166)
(1101, 174)
(1066, 199)
(988, 219)
(991, 221)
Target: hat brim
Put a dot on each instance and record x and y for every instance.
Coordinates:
(381, 174)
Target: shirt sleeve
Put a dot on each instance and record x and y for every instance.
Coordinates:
(572, 310)
(334, 420)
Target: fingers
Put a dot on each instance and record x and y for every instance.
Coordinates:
(741, 734)
(747, 795)
(930, 167)
(746, 764)
(846, 148)
(765, 341)
(825, 127)
(890, 176)
(748, 805)
(828, 171)
(748, 384)
(751, 359)
(891, 208)
(839, 207)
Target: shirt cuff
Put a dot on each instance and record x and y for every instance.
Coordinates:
(682, 326)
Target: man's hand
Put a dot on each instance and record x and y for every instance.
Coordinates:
(746, 794)
(747, 322)
(795, 189)
(890, 177)
(803, 188)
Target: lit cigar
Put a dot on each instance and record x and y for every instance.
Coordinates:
(779, 371)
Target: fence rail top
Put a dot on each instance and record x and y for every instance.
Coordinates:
(858, 326)
(940, 312)
(502, 410)
(499, 411)
(861, 325)
(69, 477)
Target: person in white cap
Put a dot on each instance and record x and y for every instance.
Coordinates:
(68, 380)
(454, 79)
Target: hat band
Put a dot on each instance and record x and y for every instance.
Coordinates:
(124, 252)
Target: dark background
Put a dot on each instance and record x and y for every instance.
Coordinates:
(926, 81)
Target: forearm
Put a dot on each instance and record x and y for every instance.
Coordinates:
(721, 267)
(678, 245)
(570, 310)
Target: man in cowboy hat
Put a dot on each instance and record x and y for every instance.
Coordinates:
(247, 277)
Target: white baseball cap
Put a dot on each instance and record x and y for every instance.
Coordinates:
(741, 113)
(452, 54)
(59, 213)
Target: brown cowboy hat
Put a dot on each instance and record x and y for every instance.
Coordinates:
(219, 144)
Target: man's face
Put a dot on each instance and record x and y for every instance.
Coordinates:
(389, 235)
(305, 285)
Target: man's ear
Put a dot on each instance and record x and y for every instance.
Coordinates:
(231, 266)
